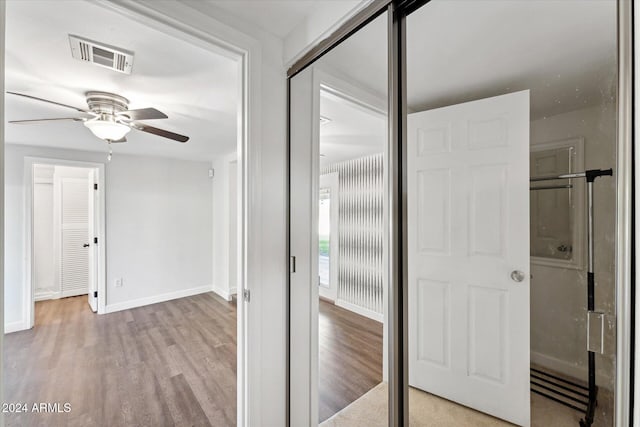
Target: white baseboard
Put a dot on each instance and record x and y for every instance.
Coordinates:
(225, 293)
(379, 317)
(20, 325)
(43, 296)
(567, 368)
(141, 302)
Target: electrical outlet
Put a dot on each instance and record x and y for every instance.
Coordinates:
(119, 282)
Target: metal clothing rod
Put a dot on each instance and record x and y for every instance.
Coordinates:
(550, 187)
(553, 177)
(590, 174)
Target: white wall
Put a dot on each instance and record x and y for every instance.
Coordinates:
(163, 207)
(325, 18)
(558, 296)
(158, 220)
(44, 279)
(222, 234)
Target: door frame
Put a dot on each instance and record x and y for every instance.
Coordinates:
(303, 383)
(99, 218)
(187, 23)
(222, 39)
(398, 10)
(216, 36)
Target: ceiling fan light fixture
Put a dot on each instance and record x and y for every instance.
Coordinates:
(107, 129)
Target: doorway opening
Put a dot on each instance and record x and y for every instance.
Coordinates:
(64, 219)
(351, 250)
(342, 229)
(160, 212)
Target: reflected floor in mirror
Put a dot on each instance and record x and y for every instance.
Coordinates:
(429, 410)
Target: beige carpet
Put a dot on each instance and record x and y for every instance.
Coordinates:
(428, 410)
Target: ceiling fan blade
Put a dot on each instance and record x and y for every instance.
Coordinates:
(50, 102)
(26, 122)
(159, 132)
(143, 114)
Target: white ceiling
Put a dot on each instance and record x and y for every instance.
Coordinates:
(196, 88)
(353, 130)
(564, 51)
(278, 17)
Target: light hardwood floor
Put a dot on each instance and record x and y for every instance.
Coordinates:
(350, 360)
(167, 364)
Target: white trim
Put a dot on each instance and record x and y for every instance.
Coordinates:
(223, 293)
(378, 317)
(579, 205)
(176, 19)
(326, 33)
(28, 291)
(43, 296)
(3, 4)
(141, 302)
(17, 326)
(349, 90)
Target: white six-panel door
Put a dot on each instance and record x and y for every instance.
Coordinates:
(468, 222)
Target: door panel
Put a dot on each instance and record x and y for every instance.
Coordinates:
(74, 213)
(468, 219)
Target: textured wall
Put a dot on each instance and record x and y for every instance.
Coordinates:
(558, 295)
(360, 231)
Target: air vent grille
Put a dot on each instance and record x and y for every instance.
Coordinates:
(101, 54)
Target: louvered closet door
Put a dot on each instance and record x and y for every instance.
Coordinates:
(74, 258)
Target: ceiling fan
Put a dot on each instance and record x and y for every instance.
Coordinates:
(109, 117)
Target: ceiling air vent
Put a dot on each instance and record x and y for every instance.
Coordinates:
(101, 54)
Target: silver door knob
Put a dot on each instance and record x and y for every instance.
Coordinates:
(517, 276)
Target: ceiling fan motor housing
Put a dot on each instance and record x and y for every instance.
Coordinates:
(104, 103)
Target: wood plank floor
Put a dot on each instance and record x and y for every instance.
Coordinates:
(350, 362)
(167, 364)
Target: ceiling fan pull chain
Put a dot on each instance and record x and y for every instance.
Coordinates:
(110, 152)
